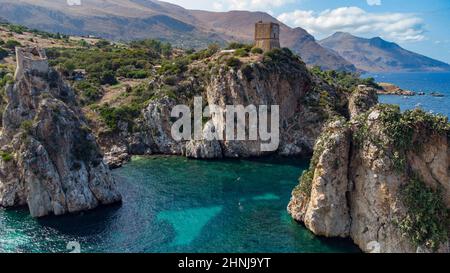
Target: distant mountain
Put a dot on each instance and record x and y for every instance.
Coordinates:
(378, 55)
(139, 19)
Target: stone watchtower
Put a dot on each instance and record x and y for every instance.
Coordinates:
(267, 35)
(32, 59)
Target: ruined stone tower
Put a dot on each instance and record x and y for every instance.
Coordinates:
(267, 35)
(30, 58)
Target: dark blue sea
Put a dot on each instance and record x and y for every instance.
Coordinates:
(419, 82)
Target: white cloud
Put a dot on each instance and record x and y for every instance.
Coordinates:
(226, 5)
(374, 2)
(74, 2)
(401, 27)
(254, 4)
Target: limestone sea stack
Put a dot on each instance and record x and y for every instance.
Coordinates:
(382, 179)
(50, 160)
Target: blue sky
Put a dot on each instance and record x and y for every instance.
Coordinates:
(417, 25)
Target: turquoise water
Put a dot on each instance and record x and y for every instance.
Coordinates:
(419, 82)
(172, 204)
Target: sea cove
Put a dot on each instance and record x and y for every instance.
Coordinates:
(172, 204)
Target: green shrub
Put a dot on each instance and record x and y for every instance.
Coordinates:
(102, 43)
(113, 115)
(236, 45)
(205, 53)
(102, 64)
(305, 184)
(88, 91)
(108, 77)
(175, 67)
(343, 80)
(26, 126)
(401, 128)
(11, 44)
(3, 53)
(241, 52)
(427, 220)
(6, 156)
(257, 50)
(233, 62)
(164, 49)
(83, 43)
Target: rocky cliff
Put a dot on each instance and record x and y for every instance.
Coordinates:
(50, 160)
(280, 78)
(382, 179)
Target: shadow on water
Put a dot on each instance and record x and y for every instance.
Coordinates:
(87, 223)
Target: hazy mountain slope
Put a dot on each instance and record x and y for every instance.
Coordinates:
(138, 19)
(378, 55)
(112, 19)
(239, 25)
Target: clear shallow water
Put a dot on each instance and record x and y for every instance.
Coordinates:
(419, 82)
(172, 204)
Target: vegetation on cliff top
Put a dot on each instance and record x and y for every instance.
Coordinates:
(343, 80)
(409, 130)
(428, 220)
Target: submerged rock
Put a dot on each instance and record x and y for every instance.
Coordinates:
(50, 159)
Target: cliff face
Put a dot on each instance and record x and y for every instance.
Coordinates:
(50, 160)
(305, 103)
(381, 179)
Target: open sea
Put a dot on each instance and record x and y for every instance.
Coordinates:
(419, 82)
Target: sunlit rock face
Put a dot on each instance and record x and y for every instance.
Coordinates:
(378, 186)
(51, 161)
(283, 81)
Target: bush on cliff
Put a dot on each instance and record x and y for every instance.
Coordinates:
(342, 79)
(402, 127)
(427, 220)
(3, 53)
(11, 44)
(257, 50)
(236, 45)
(112, 116)
(6, 156)
(233, 63)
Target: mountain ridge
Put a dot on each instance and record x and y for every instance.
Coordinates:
(140, 19)
(378, 55)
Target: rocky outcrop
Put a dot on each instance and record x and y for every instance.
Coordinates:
(324, 208)
(391, 89)
(282, 80)
(50, 159)
(387, 188)
(361, 100)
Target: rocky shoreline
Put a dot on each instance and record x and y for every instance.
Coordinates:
(367, 157)
(394, 90)
(50, 160)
